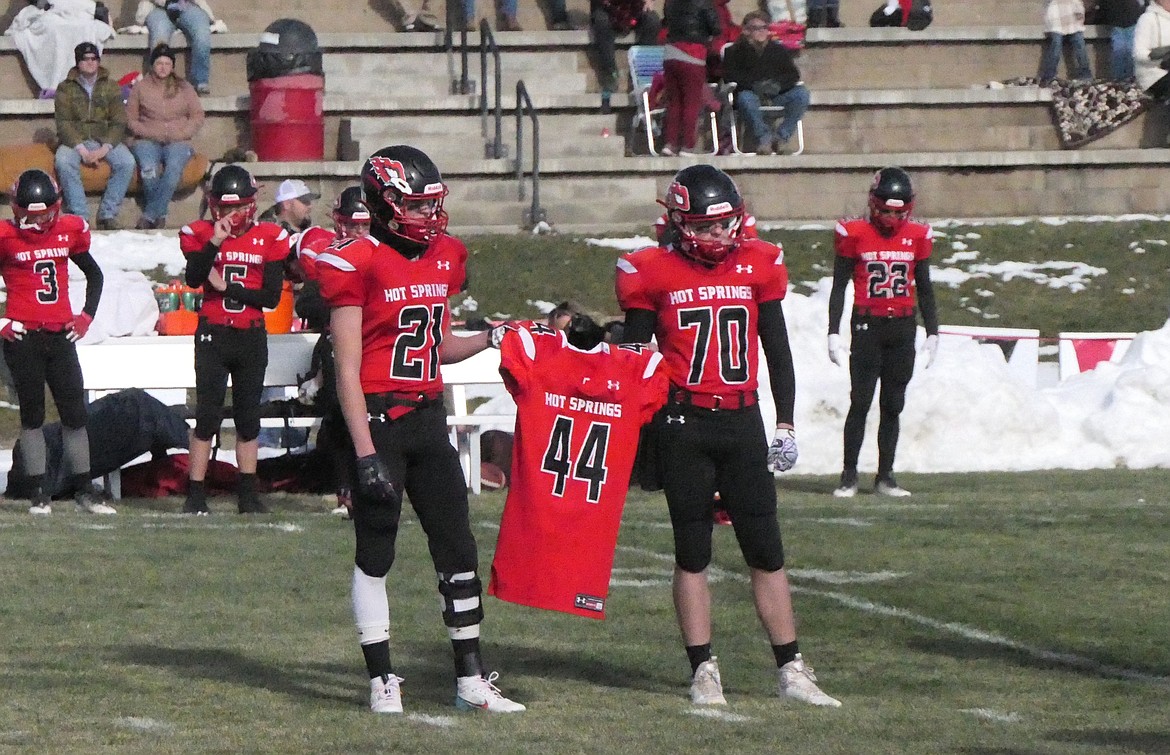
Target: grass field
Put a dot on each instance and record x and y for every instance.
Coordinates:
(1021, 613)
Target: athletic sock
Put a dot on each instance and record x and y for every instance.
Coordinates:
(785, 653)
(698, 655)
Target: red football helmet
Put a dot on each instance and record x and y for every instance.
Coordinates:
(351, 217)
(891, 199)
(404, 192)
(705, 209)
(36, 201)
(233, 192)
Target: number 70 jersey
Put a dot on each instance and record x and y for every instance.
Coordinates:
(578, 415)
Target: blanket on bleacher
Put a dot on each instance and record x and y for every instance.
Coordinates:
(1085, 111)
(46, 38)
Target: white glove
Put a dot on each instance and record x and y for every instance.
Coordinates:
(836, 350)
(930, 349)
(782, 453)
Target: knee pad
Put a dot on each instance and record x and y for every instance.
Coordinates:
(462, 606)
(692, 547)
(376, 529)
(759, 541)
(73, 414)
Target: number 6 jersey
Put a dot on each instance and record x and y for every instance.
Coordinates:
(578, 414)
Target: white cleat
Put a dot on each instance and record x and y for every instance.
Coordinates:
(385, 694)
(848, 486)
(90, 501)
(478, 693)
(798, 682)
(706, 685)
(889, 487)
(40, 507)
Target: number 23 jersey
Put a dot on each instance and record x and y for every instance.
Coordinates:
(883, 268)
(578, 414)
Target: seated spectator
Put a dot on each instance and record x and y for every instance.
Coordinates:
(1121, 16)
(610, 19)
(559, 16)
(765, 75)
(508, 20)
(418, 18)
(1151, 50)
(824, 13)
(91, 124)
(196, 20)
(164, 114)
(294, 206)
(46, 34)
(1064, 23)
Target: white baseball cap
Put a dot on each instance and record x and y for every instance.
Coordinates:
(295, 188)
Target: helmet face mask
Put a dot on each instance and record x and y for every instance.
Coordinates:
(404, 192)
(233, 194)
(706, 209)
(36, 202)
(891, 200)
(351, 217)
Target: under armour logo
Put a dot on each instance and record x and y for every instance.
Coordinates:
(257, 242)
(861, 326)
(62, 237)
(743, 269)
(205, 337)
(444, 265)
(613, 385)
(679, 420)
(375, 417)
(907, 242)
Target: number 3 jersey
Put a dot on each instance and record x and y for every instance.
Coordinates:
(708, 317)
(404, 307)
(35, 267)
(883, 268)
(240, 259)
(578, 414)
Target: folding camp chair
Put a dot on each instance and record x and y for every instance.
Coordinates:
(645, 62)
(766, 110)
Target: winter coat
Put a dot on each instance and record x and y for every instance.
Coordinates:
(745, 65)
(80, 117)
(1064, 17)
(690, 21)
(1120, 13)
(1152, 32)
(164, 117)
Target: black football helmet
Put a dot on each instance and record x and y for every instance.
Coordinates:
(351, 217)
(233, 192)
(891, 199)
(404, 192)
(705, 209)
(36, 201)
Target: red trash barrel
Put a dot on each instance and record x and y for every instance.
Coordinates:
(288, 117)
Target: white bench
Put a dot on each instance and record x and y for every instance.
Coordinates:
(164, 366)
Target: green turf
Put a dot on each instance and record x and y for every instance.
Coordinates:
(1013, 613)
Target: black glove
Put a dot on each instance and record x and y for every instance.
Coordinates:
(373, 480)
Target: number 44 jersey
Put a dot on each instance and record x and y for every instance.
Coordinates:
(578, 414)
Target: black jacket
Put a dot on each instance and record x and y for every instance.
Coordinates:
(1121, 13)
(691, 21)
(744, 65)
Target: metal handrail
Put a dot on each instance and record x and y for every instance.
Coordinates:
(535, 213)
(461, 85)
(487, 43)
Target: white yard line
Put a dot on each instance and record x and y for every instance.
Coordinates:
(442, 722)
(718, 714)
(994, 715)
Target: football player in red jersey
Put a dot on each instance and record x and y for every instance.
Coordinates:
(887, 256)
(391, 328)
(239, 263)
(707, 297)
(39, 329)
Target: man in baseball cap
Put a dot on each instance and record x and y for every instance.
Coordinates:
(293, 208)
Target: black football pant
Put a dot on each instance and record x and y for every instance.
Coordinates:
(221, 351)
(882, 349)
(45, 358)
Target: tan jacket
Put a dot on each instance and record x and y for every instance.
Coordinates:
(153, 114)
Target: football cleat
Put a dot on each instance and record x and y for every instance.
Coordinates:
(40, 506)
(479, 693)
(706, 685)
(887, 486)
(798, 682)
(386, 694)
(848, 486)
(196, 504)
(89, 500)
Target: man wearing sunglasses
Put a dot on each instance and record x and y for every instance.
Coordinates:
(887, 256)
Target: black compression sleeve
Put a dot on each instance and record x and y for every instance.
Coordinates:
(842, 272)
(199, 265)
(926, 297)
(265, 297)
(778, 352)
(93, 281)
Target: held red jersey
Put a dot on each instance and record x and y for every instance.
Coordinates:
(404, 307)
(883, 268)
(708, 318)
(578, 414)
(308, 244)
(241, 259)
(35, 267)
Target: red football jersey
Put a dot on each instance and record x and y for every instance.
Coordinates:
(35, 267)
(308, 244)
(404, 307)
(578, 414)
(708, 318)
(241, 259)
(883, 269)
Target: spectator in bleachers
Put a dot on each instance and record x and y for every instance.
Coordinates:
(91, 126)
(559, 16)
(1121, 16)
(418, 18)
(765, 74)
(508, 20)
(1064, 24)
(196, 20)
(610, 19)
(1151, 50)
(690, 27)
(164, 115)
(824, 13)
(294, 206)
